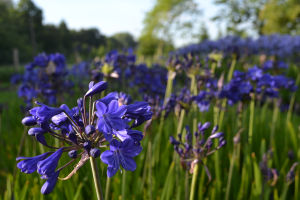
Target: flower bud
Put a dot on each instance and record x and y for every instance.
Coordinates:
(95, 152)
(72, 154)
(87, 146)
(217, 135)
(97, 88)
(72, 136)
(90, 129)
(173, 141)
(29, 121)
(36, 130)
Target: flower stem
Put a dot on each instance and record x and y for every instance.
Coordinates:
(108, 180)
(194, 181)
(124, 184)
(186, 184)
(96, 178)
(252, 104)
(230, 173)
(289, 115)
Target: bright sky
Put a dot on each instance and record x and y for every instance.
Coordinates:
(112, 16)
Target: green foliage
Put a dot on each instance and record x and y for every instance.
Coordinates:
(281, 16)
(125, 39)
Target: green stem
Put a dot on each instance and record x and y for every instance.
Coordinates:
(186, 184)
(252, 104)
(289, 115)
(213, 67)
(230, 173)
(284, 192)
(96, 178)
(224, 100)
(123, 184)
(150, 168)
(275, 113)
(180, 123)
(297, 185)
(216, 154)
(231, 69)
(194, 181)
(103, 92)
(108, 181)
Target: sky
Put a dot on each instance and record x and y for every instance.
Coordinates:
(113, 16)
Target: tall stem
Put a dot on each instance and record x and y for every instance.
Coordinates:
(96, 178)
(186, 185)
(275, 113)
(230, 174)
(288, 117)
(123, 184)
(194, 181)
(107, 188)
(252, 104)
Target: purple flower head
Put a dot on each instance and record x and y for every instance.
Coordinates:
(47, 166)
(109, 118)
(120, 153)
(28, 165)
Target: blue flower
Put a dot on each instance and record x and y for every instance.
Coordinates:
(47, 167)
(28, 165)
(62, 119)
(109, 118)
(120, 154)
(45, 113)
(49, 185)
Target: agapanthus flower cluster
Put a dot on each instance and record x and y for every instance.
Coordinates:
(268, 174)
(106, 122)
(143, 76)
(255, 80)
(282, 46)
(45, 78)
(191, 154)
(290, 176)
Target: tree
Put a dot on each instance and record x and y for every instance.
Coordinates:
(166, 20)
(203, 34)
(125, 39)
(241, 15)
(281, 16)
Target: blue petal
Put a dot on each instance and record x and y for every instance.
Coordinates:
(112, 106)
(49, 185)
(101, 109)
(65, 107)
(111, 171)
(119, 112)
(129, 164)
(114, 144)
(121, 134)
(108, 157)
